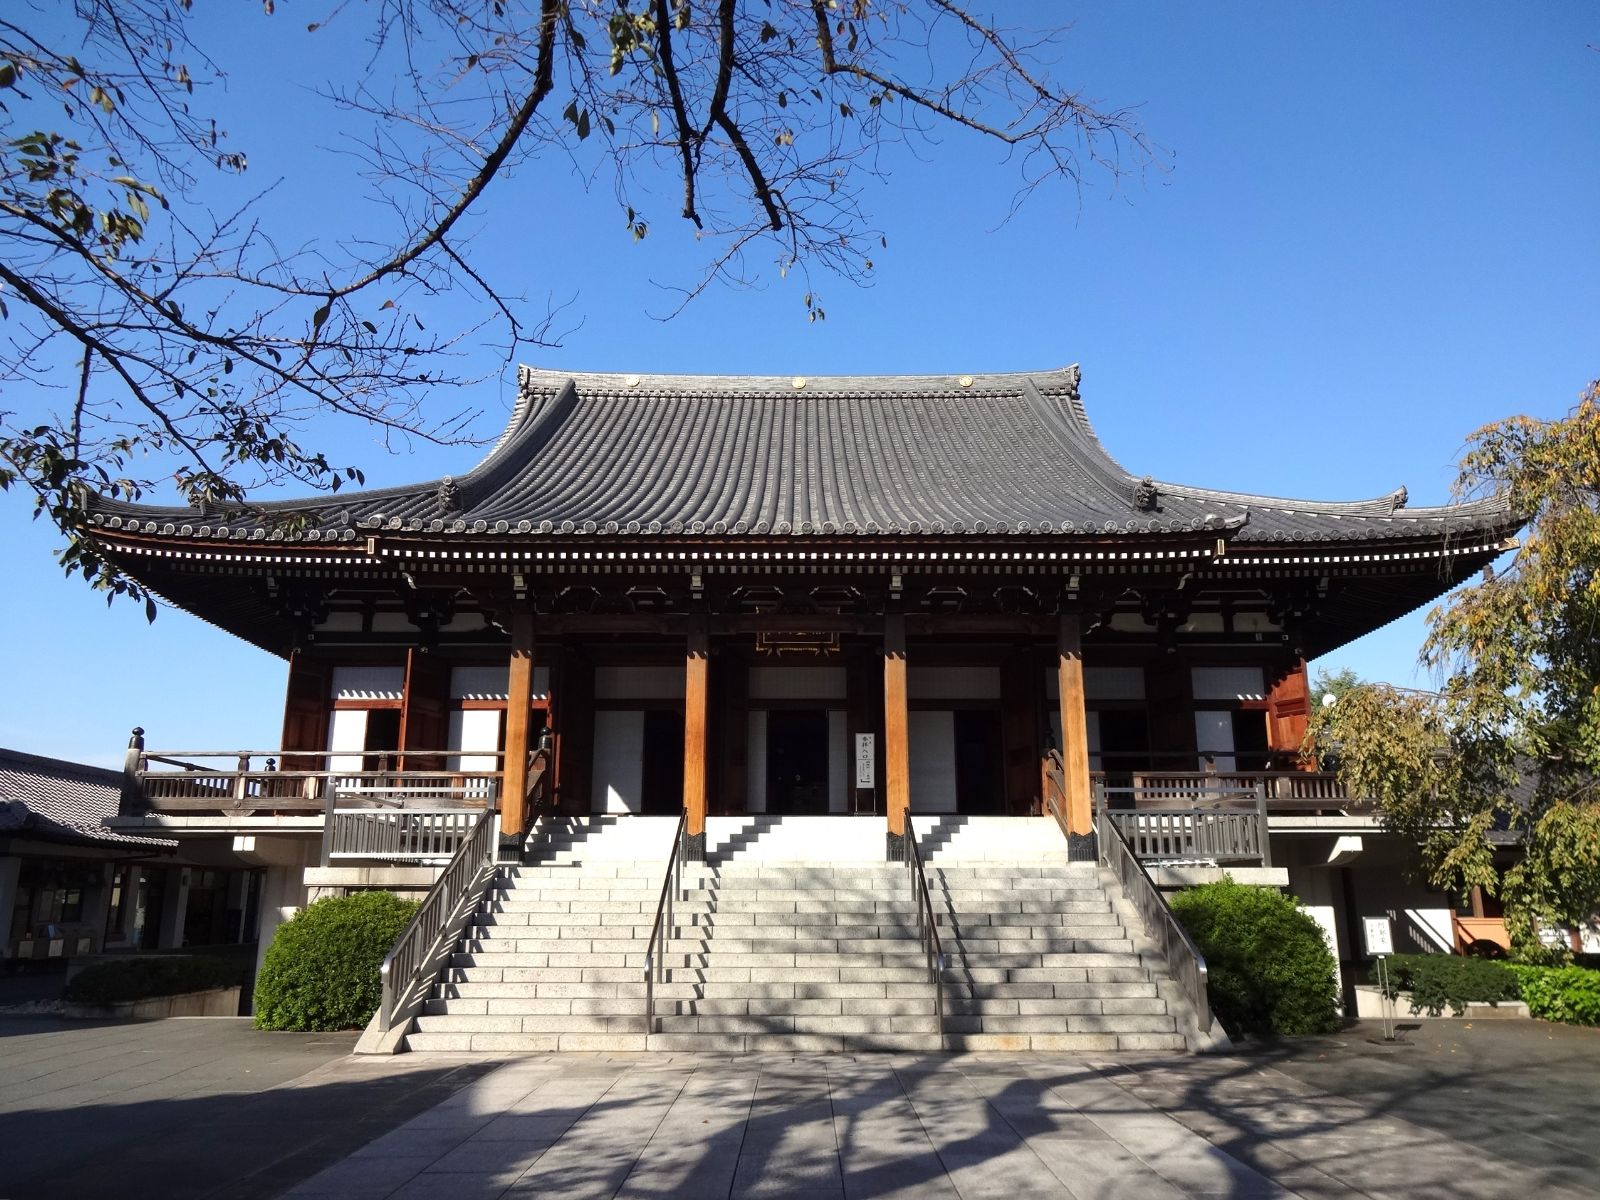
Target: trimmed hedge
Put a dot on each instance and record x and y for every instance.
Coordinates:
(1269, 967)
(1437, 981)
(1570, 995)
(321, 971)
(143, 978)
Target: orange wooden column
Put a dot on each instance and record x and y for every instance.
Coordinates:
(519, 710)
(695, 691)
(896, 732)
(1074, 726)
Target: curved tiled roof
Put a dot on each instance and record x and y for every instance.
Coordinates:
(614, 454)
(60, 801)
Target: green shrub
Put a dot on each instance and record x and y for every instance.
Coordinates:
(1567, 994)
(143, 978)
(1269, 967)
(321, 971)
(1437, 981)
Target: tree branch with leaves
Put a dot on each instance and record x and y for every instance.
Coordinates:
(163, 345)
(1507, 754)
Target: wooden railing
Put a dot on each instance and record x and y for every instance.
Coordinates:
(1194, 835)
(536, 797)
(245, 781)
(397, 834)
(1185, 964)
(1054, 791)
(927, 927)
(1285, 792)
(1219, 824)
(408, 969)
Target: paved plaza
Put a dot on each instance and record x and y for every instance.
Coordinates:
(215, 1109)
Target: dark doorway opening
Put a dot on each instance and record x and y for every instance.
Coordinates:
(797, 762)
(980, 765)
(1250, 740)
(383, 734)
(1124, 749)
(661, 768)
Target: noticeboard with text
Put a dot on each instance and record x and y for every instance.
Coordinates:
(1378, 935)
(866, 760)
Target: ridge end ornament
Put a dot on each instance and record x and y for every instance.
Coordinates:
(448, 498)
(1146, 497)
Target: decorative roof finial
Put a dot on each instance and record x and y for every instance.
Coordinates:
(1398, 498)
(1145, 496)
(448, 498)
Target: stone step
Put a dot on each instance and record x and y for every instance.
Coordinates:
(1061, 1023)
(840, 991)
(1146, 1006)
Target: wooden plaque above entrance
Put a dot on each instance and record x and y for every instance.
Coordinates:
(797, 641)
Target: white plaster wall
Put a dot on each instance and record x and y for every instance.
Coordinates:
(639, 683)
(368, 683)
(797, 683)
(283, 893)
(1228, 683)
(933, 761)
(347, 730)
(1316, 888)
(953, 683)
(618, 760)
(474, 729)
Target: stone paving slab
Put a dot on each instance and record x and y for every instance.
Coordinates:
(197, 1110)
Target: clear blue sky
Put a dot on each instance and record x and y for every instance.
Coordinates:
(1379, 231)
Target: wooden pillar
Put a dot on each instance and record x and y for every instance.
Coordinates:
(696, 664)
(1074, 726)
(519, 710)
(896, 733)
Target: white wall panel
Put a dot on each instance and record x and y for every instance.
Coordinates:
(839, 763)
(368, 683)
(474, 729)
(618, 760)
(638, 683)
(1229, 683)
(953, 683)
(797, 683)
(1101, 683)
(755, 777)
(347, 730)
(1112, 683)
(933, 761)
(493, 683)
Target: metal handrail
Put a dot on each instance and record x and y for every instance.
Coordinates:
(927, 927)
(655, 963)
(1185, 963)
(403, 966)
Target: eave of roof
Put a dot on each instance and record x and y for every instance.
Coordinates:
(926, 457)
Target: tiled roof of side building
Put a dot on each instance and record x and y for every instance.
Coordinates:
(60, 801)
(643, 455)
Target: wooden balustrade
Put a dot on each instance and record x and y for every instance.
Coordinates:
(1194, 835)
(1284, 792)
(396, 835)
(292, 782)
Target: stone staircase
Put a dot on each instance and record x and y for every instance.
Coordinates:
(1039, 958)
(772, 955)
